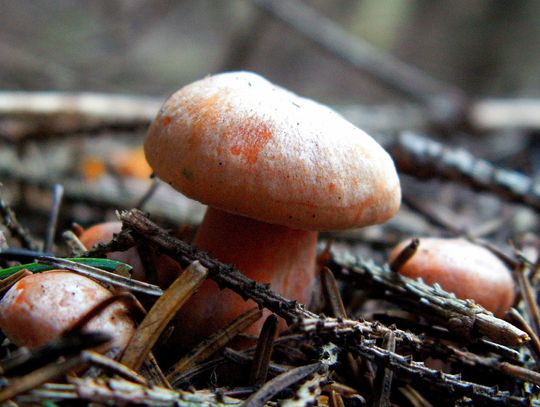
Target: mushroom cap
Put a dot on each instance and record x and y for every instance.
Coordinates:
(464, 268)
(104, 233)
(39, 307)
(236, 142)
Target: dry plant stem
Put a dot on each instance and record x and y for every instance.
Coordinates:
(528, 296)
(426, 159)
(24, 360)
(333, 299)
(57, 195)
(339, 330)
(7, 282)
(383, 382)
(152, 372)
(416, 372)
(102, 275)
(75, 245)
(452, 385)
(17, 231)
(213, 344)
(280, 383)
(161, 313)
(534, 343)
(97, 359)
(331, 293)
(469, 320)
(405, 255)
(39, 376)
(361, 55)
(47, 392)
(115, 391)
(199, 369)
(86, 106)
(263, 351)
(492, 114)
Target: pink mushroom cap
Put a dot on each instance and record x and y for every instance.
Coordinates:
(238, 143)
(40, 307)
(464, 268)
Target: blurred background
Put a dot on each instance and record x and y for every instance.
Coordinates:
(153, 47)
(462, 72)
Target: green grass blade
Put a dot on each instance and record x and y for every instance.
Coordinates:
(104, 264)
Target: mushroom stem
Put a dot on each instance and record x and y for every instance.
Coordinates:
(274, 254)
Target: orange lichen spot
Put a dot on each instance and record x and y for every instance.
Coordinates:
(92, 168)
(250, 140)
(331, 187)
(166, 121)
(132, 163)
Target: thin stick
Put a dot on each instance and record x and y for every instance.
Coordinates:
(161, 313)
(331, 293)
(15, 228)
(6, 283)
(280, 383)
(528, 295)
(97, 359)
(39, 376)
(383, 383)
(216, 342)
(361, 55)
(57, 195)
(102, 275)
(405, 255)
(74, 243)
(534, 343)
(263, 351)
(427, 159)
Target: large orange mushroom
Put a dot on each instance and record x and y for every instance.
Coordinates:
(274, 168)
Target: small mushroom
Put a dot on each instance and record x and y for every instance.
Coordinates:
(463, 268)
(274, 168)
(40, 307)
(166, 268)
(103, 233)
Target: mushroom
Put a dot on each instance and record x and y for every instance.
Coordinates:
(103, 233)
(40, 307)
(166, 268)
(274, 168)
(463, 268)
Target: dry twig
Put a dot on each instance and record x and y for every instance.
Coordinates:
(425, 159)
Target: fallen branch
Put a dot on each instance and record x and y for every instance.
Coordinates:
(426, 159)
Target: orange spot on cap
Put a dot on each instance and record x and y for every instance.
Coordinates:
(250, 140)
